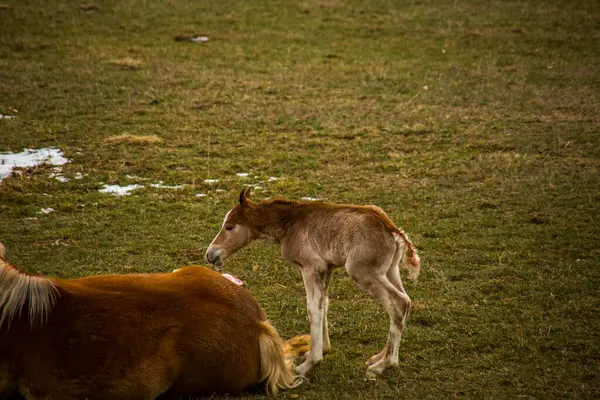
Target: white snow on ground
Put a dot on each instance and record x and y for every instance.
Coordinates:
(59, 177)
(120, 190)
(46, 210)
(161, 186)
(252, 185)
(309, 199)
(211, 180)
(242, 174)
(57, 174)
(126, 190)
(201, 195)
(30, 158)
(4, 116)
(199, 39)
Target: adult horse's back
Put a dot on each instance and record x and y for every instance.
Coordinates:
(183, 334)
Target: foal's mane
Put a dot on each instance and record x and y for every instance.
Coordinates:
(18, 289)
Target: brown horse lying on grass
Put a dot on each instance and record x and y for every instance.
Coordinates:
(319, 237)
(173, 335)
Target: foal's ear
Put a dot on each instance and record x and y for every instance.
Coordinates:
(244, 199)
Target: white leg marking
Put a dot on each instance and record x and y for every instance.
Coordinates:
(314, 283)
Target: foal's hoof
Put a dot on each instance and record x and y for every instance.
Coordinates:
(379, 368)
(375, 359)
(303, 369)
(306, 355)
(370, 376)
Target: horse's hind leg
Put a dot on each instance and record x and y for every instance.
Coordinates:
(396, 304)
(393, 274)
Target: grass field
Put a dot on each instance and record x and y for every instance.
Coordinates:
(475, 125)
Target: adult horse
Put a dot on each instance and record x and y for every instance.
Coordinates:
(173, 335)
(318, 237)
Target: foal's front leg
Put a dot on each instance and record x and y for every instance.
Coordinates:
(315, 283)
(326, 342)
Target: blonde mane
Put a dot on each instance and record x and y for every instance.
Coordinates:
(18, 288)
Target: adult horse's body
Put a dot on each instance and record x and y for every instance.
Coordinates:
(182, 334)
(319, 237)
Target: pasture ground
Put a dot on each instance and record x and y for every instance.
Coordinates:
(474, 125)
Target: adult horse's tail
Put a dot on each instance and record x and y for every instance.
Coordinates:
(17, 289)
(276, 359)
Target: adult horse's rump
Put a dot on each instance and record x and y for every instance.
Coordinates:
(182, 334)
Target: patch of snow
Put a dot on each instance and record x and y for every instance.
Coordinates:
(46, 210)
(201, 195)
(309, 199)
(119, 190)
(30, 158)
(252, 185)
(59, 177)
(79, 175)
(57, 174)
(273, 179)
(199, 39)
(4, 116)
(210, 181)
(161, 186)
(242, 174)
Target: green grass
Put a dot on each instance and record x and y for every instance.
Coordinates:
(474, 125)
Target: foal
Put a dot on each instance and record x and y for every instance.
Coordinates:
(182, 334)
(319, 237)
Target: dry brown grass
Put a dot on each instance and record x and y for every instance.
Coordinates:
(128, 63)
(127, 138)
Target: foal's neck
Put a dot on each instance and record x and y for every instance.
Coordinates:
(275, 218)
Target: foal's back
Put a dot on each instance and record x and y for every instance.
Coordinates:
(344, 216)
(334, 230)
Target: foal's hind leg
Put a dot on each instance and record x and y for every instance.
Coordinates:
(393, 275)
(375, 282)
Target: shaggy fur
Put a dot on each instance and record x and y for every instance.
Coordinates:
(319, 237)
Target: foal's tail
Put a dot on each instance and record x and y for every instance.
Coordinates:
(276, 360)
(410, 258)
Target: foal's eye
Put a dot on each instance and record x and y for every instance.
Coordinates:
(228, 227)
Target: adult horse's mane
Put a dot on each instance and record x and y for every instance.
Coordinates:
(18, 290)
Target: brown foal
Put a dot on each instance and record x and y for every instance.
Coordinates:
(319, 237)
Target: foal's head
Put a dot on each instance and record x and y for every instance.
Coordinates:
(235, 233)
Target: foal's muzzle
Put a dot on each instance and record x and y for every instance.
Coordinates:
(213, 256)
